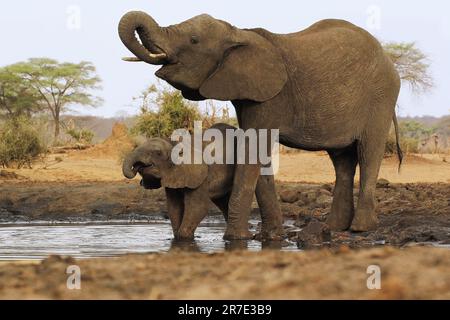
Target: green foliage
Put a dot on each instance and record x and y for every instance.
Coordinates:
(19, 143)
(58, 85)
(16, 98)
(408, 145)
(415, 130)
(411, 133)
(81, 135)
(411, 63)
(163, 111)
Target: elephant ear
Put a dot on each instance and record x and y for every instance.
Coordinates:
(184, 176)
(251, 68)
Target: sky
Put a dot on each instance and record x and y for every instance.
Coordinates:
(86, 30)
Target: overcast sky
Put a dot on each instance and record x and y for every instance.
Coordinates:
(75, 30)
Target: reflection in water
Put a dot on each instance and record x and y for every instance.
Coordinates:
(272, 245)
(230, 245)
(188, 246)
(104, 240)
(236, 245)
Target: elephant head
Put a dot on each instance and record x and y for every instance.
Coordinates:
(207, 58)
(152, 160)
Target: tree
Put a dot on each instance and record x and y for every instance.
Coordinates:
(162, 111)
(16, 98)
(59, 85)
(411, 63)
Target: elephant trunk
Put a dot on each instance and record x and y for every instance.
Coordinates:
(144, 25)
(128, 169)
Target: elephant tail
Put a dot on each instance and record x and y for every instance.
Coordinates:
(397, 138)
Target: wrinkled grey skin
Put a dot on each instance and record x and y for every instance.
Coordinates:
(189, 187)
(329, 87)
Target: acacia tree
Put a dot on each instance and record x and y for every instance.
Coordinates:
(59, 85)
(16, 98)
(411, 63)
(413, 67)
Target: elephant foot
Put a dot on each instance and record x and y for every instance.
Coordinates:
(364, 222)
(268, 237)
(180, 236)
(236, 245)
(231, 234)
(272, 235)
(338, 223)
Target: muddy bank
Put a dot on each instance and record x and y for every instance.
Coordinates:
(78, 201)
(413, 273)
(408, 213)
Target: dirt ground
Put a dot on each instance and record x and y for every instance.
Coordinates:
(317, 167)
(100, 164)
(413, 207)
(414, 273)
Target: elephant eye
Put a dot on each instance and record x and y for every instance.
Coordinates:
(194, 39)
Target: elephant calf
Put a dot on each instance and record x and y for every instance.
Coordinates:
(189, 187)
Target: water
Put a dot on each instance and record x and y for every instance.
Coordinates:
(37, 241)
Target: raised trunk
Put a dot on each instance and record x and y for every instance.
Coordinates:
(146, 27)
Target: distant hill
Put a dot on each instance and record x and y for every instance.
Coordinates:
(102, 127)
(440, 139)
(428, 120)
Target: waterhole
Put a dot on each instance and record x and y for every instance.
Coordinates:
(90, 240)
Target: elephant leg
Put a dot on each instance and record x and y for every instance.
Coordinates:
(342, 208)
(196, 203)
(239, 206)
(222, 204)
(271, 216)
(175, 208)
(370, 149)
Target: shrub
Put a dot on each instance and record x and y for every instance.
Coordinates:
(173, 112)
(19, 143)
(407, 144)
(81, 135)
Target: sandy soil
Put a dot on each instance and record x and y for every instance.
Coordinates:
(414, 273)
(314, 167)
(413, 207)
(317, 167)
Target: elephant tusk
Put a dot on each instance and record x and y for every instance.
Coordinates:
(131, 59)
(158, 56)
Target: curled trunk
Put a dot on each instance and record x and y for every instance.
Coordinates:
(144, 25)
(127, 166)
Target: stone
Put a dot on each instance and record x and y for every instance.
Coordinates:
(315, 234)
(289, 196)
(308, 197)
(383, 183)
(327, 187)
(8, 175)
(324, 200)
(302, 221)
(325, 192)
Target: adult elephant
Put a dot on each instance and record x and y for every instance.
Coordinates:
(329, 87)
